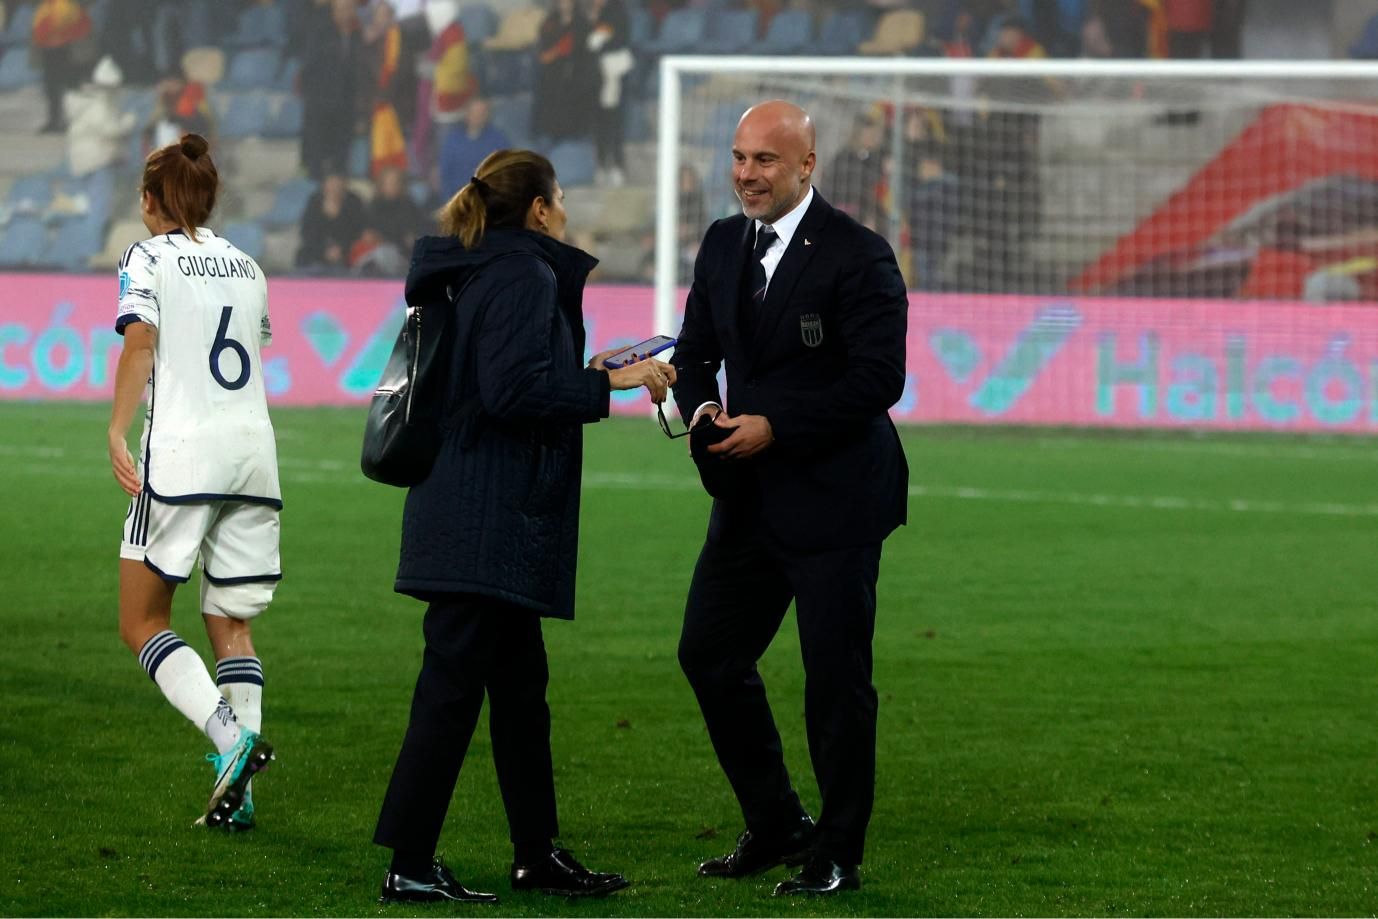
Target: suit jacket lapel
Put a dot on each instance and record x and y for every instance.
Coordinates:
(729, 284)
(797, 254)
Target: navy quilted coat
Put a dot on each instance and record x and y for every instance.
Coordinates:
(499, 514)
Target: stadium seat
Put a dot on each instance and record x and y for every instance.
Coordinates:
(360, 158)
(574, 162)
(641, 26)
(254, 68)
(99, 188)
(788, 33)
(19, 28)
(247, 236)
(479, 21)
(290, 202)
(518, 30)
(682, 31)
(286, 120)
(24, 242)
(287, 75)
(260, 26)
(121, 236)
(729, 32)
(30, 193)
(1366, 48)
(76, 240)
(898, 32)
(245, 115)
(141, 103)
(15, 70)
(841, 33)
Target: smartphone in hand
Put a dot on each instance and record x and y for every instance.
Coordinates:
(640, 351)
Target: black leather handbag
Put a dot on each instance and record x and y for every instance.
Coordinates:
(404, 429)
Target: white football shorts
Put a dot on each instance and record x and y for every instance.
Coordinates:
(237, 541)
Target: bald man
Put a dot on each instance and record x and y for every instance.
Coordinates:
(807, 310)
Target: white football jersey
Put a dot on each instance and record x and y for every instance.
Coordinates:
(206, 435)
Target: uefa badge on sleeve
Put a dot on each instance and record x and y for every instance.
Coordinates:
(811, 329)
(124, 283)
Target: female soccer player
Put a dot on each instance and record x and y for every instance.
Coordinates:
(193, 311)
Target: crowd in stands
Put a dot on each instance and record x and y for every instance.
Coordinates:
(393, 103)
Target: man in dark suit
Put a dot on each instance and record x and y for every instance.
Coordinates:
(807, 309)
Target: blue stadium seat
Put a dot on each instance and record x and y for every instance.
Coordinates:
(19, 28)
(289, 203)
(479, 21)
(574, 162)
(99, 188)
(641, 26)
(286, 121)
(842, 32)
(260, 26)
(253, 68)
(729, 31)
(141, 102)
(76, 240)
(360, 158)
(24, 242)
(247, 236)
(15, 71)
(31, 193)
(789, 33)
(1366, 48)
(245, 115)
(682, 31)
(287, 76)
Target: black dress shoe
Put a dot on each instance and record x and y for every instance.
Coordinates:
(755, 854)
(437, 885)
(819, 877)
(560, 874)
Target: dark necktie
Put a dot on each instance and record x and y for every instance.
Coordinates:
(765, 238)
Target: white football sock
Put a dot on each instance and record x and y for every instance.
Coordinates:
(182, 676)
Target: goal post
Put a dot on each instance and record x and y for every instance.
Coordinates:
(1181, 182)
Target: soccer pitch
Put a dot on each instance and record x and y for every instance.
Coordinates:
(1119, 674)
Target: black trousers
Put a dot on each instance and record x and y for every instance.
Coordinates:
(607, 137)
(474, 645)
(741, 590)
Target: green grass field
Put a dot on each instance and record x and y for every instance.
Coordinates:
(1118, 675)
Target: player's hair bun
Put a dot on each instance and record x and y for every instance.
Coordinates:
(194, 146)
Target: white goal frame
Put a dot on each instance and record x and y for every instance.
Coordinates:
(674, 67)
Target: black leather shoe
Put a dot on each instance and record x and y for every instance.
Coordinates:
(755, 854)
(560, 874)
(437, 885)
(821, 876)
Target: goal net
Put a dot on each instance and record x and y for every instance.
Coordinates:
(1247, 182)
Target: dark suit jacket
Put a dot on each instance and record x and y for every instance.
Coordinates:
(825, 365)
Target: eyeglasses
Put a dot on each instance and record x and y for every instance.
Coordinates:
(665, 425)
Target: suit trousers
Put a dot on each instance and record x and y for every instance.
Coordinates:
(474, 645)
(740, 592)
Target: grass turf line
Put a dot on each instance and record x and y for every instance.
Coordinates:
(1084, 709)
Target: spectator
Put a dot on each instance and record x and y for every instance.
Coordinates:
(1015, 40)
(566, 75)
(96, 128)
(444, 93)
(180, 108)
(1189, 25)
(62, 43)
(1124, 29)
(466, 145)
(392, 223)
(332, 223)
(932, 196)
(129, 37)
(1281, 266)
(857, 175)
(383, 55)
(1227, 30)
(330, 78)
(608, 41)
(693, 217)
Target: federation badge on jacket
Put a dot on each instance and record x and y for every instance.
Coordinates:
(811, 329)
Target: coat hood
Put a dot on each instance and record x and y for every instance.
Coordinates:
(440, 261)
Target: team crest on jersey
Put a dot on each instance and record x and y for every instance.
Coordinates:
(811, 329)
(124, 283)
